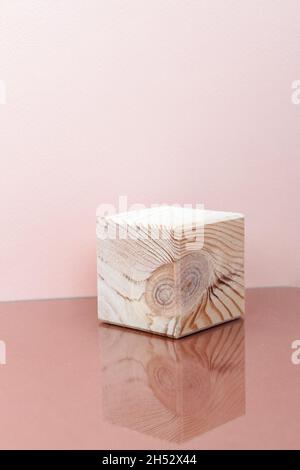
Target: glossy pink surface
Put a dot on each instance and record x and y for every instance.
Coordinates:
(70, 383)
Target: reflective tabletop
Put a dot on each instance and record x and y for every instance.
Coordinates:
(69, 382)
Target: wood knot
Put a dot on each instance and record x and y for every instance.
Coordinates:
(177, 288)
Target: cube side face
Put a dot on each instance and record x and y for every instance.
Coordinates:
(176, 284)
(223, 298)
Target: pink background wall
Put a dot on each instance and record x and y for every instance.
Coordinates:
(165, 101)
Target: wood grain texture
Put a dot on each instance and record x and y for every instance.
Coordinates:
(176, 282)
(174, 390)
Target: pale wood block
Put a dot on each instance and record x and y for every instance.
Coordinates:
(171, 271)
(169, 389)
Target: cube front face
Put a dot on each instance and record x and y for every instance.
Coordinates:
(175, 283)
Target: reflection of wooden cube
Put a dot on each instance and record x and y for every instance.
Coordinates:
(171, 271)
(173, 390)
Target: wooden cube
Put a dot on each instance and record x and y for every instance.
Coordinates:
(170, 270)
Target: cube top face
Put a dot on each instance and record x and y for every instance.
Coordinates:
(170, 271)
(170, 217)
